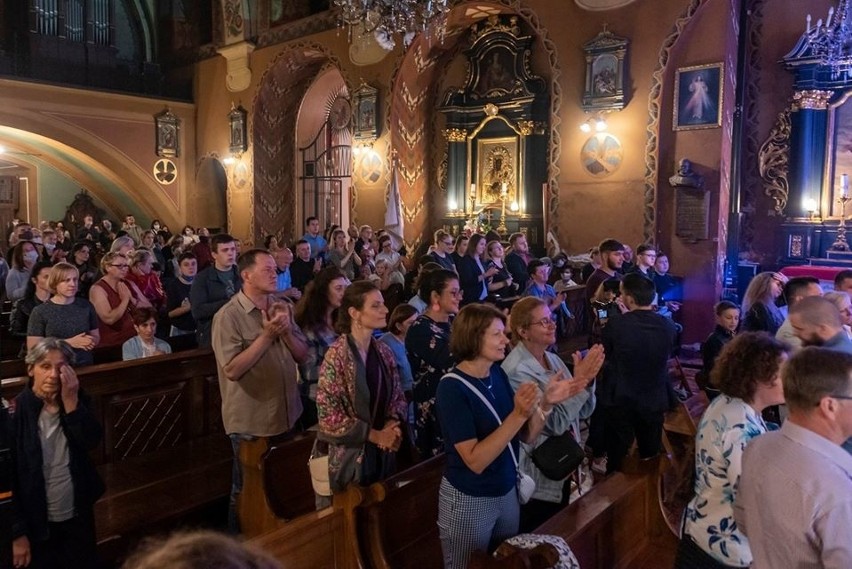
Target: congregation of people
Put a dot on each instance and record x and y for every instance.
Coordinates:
(457, 351)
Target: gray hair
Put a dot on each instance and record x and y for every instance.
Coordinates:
(120, 242)
(47, 345)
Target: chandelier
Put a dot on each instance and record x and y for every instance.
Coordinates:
(829, 41)
(386, 19)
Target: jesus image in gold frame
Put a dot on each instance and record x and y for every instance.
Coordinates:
(497, 165)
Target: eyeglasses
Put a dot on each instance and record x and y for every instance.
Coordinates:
(844, 397)
(544, 323)
(121, 266)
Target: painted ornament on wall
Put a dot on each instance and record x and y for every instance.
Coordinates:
(165, 171)
(602, 154)
(370, 167)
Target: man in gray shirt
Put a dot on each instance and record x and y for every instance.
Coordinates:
(794, 500)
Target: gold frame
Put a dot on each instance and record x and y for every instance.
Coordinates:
(513, 191)
(720, 67)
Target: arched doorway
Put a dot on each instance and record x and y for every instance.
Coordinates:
(212, 184)
(277, 111)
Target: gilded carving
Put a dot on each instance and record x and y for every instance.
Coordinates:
(455, 134)
(774, 162)
(796, 248)
(526, 127)
(811, 99)
(493, 24)
(491, 109)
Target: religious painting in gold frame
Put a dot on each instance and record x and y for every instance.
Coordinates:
(497, 164)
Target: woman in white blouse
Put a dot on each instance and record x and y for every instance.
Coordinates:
(748, 375)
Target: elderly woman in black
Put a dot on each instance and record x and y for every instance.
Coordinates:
(55, 483)
(473, 276)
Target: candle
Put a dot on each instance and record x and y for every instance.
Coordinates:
(504, 187)
(810, 205)
(844, 185)
(473, 189)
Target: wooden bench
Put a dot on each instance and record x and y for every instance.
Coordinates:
(320, 540)
(164, 451)
(15, 367)
(398, 519)
(276, 483)
(618, 522)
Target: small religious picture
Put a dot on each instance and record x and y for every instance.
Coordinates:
(365, 106)
(167, 132)
(698, 97)
(498, 169)
(606, 72)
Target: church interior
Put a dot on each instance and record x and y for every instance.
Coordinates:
(715, 130)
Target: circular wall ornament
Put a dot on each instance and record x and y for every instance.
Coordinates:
(602, 154)
(165, 171)
(370, 167)
(598, 5)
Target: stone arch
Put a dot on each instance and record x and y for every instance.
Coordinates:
(655, 101)
(274, 118)
(413, 99)
(211, 182)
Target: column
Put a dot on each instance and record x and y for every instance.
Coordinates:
(456, 170)
(808, 151)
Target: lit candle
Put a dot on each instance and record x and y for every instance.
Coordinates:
(504, 187)
(453, 205)
(473, 189)
(844, 185)
(810, 205)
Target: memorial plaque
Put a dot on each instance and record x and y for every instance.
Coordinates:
(692, 214)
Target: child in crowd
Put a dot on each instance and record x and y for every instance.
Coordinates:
(566, 281)
(145, 344)
(727, 324)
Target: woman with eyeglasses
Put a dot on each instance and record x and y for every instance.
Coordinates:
(427, 343)
(760, 313)
(748, 374)
(65, 316)
(113, 297)
(533, 331)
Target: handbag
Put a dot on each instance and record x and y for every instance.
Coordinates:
(525, 482)
(558, 456)
(318, 466)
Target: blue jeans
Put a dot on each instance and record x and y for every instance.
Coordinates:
(236, 481)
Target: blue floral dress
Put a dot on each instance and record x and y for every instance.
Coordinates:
(726, 428)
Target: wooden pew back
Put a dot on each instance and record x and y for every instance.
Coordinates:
(398, 524)
(617, 521)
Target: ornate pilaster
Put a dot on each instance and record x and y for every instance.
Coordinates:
(811, 99)
(455, 134)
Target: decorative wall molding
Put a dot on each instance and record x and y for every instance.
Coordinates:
(774, 161)
(652, 141)
(238, 76)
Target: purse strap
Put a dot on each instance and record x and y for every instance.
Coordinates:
(482, 398)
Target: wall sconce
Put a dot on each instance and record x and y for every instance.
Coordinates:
(238, 121)
(595, 123)
(811, 207)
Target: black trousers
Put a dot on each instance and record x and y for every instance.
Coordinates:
(71, 545)
(690, 556)
(623, 425)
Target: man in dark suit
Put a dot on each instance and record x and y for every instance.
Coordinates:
(636, 391)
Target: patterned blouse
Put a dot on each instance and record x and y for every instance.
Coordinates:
(318, 343)
(726, 428)
(428, 346)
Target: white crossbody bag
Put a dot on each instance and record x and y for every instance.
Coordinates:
(526, 484)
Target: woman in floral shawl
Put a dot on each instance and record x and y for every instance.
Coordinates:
(360, 401)
(748, 374)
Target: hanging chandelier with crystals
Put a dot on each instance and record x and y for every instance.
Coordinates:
(386, 19)
(829, 41)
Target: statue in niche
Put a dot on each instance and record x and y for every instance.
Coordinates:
(686, 177)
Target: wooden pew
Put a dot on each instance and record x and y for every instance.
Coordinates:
(320, 540)
(164, 451)
(398, 519)
(618, 522)
(276, 483)
(14, 367)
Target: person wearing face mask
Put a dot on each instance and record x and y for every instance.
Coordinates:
(177, 296)
(24, 256)
(50, 252)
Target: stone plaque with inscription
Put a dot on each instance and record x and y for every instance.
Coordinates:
(692, 213)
